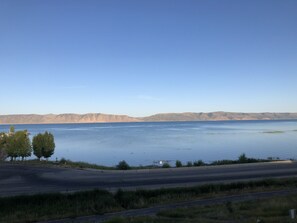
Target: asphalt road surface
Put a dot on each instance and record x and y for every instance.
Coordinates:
(16, 179)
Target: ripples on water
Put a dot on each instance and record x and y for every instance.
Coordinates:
(144, 143)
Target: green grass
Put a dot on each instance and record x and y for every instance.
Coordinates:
(68, 163)
(275, 209)
(52, 206)
(73, 164)
(63, 163)
(248, 160)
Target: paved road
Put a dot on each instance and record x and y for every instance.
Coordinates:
(193, 203)
(18, 179)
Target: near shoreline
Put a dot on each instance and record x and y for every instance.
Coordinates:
(123, 165)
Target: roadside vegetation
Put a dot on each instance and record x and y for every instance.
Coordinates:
(17, 145)
(57, 205)
(123, 165)
(241, 159)
(273, 210)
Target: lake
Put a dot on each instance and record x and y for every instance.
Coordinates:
(146, 142)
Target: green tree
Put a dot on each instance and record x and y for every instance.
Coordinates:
(37, 143)
(43, 145)
(11, 147)
(18, 145)
(23, 144)
(49, 145)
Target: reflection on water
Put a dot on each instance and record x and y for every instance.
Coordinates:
(144, 143)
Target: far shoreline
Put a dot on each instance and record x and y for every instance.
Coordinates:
(72, 118)
(75, 123)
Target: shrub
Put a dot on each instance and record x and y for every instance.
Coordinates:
(189, 164)
(123, 165)
(242, 158)
(199, 163)
(166, 165)
(128, 199)
(63, 160)
(178, 163)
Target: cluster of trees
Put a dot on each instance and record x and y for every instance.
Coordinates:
(15, 145)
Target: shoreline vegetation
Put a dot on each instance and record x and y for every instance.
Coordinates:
(42, 207)
(123, 165)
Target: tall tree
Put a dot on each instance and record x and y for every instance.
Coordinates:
(49, 145)
(11, 147)
(24, 148)
(37, 143)
(18, 145)
(43, 145)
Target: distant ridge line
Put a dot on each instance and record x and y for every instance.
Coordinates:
(161, 117)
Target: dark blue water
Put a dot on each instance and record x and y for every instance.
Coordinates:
(144, 143)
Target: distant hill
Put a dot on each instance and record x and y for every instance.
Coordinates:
(213, 116)
(98, 117)
(64, 118)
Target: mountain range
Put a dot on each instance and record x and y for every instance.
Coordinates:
(162, 117)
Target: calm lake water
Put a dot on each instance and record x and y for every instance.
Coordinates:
(144, 143)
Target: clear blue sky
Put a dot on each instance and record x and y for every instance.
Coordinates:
(140, 57)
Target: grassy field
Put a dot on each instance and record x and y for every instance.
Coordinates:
(66, 163)
(62, 163)
(274, 210)
(52, 206)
